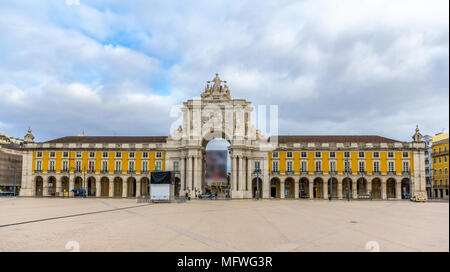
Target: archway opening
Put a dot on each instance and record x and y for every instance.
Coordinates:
(257, 188)
(289, 188)
(65, 185)
(361, 186)
(131, 187)
(39, 186)
(216, 165)
(145, 186)
(318, 188)
(405, 188)
(104, 184)
(390, 188)
(177, 187)
(376, 188)
(91, 186)
(275, 188)
(333, 187)
(347, 188)
(118, 187)
(51, 186)
(304, 188)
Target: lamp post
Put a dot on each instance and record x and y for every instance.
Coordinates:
(257, 172)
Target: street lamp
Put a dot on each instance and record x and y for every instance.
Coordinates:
(257, 172)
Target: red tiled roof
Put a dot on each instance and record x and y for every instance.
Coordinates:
(110, 139)
(282, 139)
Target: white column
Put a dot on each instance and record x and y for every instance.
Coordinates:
(111, 188)
(398, 189)
(296, 188)
(282, 185)
(339, 188)
(369, 187)
(355, 189)
(383, 189)
(241, 174)
(311, 189)
(71, 185)
(124, 188)
(234, 174)
(325, 189)
(195, 176)
(98, 187)
(265, 179)
(189, 174)
(249, 176)
(200, 174)
(182, 176)
(59, 189)
(138, 188)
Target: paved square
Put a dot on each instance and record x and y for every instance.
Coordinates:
(223, 225)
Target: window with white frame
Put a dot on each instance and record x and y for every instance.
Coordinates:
(332, 166)
(39, 154)
(362, 166)
(91, 154)
(158, 154)
(78, 166)
(65, 166)
(118, 166)
(405, 166)
(332, 154)
(118, 154)
(304, 166)
(304, 154)
(289, 166)
(105, 155)
(175, 166)
(318, 154)
(347, 167)
(144, 154)
(52, 154)
(390, 154)
(78, 154)
(51, 166)
(38, 165)
(131, 154)
(65, 154)
(91, 166)
(440, 160)
(145, 166)
(361, 154)
(391, 166)
(257, 165)
(289, 154)
(158, 166)
(318, 166)
(275, 166)
(405, 154)
(376, 166)
(104, 166)
(275, 154)
(376, 154)
(446, 171)
(131, 166)
(440, 171)
(346, 154)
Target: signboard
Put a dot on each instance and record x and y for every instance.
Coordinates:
(216, 166)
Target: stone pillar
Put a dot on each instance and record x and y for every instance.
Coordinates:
(311, 189)
(111, 188)
(369, 187)
(183, 177)
(233, 174)
(98, 188)
(241, 175)
(282, 186)
(124, 188)
(325, 189)
(59, 189)
(354, 189)
(200, 174)
(383, 189)
(138, 188)
(71, 186)
(265, 179)
(189, 174)
(195, 176)
(45, 186)
(339, 188)
(249, 178)
(296, 188)
(398, 189)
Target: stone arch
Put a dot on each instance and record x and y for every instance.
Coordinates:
(361, 186)
(131, 187)
(38, 186)
(333, 187)
(255, 187)
(117, 187)
(405, 185)
(65, 185)
(376, 188)
(51, 186)
(78, 183)
(177, 186)
(104, 187)
(289, 187)
(347, 187)
(145, 186)
(390, 188)
(275, 187)
(303, 188)
(318, 188)
(91, 186)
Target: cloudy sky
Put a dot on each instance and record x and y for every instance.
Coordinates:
(117, 67)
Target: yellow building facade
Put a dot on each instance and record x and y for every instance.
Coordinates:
(440, 161)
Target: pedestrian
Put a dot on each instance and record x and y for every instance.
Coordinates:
(189, 196)
(186, 196)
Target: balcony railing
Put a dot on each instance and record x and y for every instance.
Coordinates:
(91, 171)
(333, 172)
(117, 171)
(377, 172)
(275, 172)
(51, 171)
(347, 172)
(289, 172)
(104, 171)
(38, 171)
(131, 172)
(406, 173)
(391, 173)
(318, 172)
(362, 172)
(144, 172)
(77, 171)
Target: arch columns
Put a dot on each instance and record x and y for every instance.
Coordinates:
(398, 189)
(124, 188)
(71, 186)
(198, 174)
(189, 175)
(138, 187)
(369, 186)
(45, 187)
(354, 189)
(325, 188)
(241, 174)
(282, 185)
(111, 187)
(311, 189)
(249, 189)
(383, 189)
(266, 182)
(59, 189)
(296, 188)
(339, 188)
(98, 187)
(183, 176)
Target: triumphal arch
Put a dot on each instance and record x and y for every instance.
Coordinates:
(216, 115)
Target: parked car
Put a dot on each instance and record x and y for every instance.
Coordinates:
(205, 195)
(418, 198)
